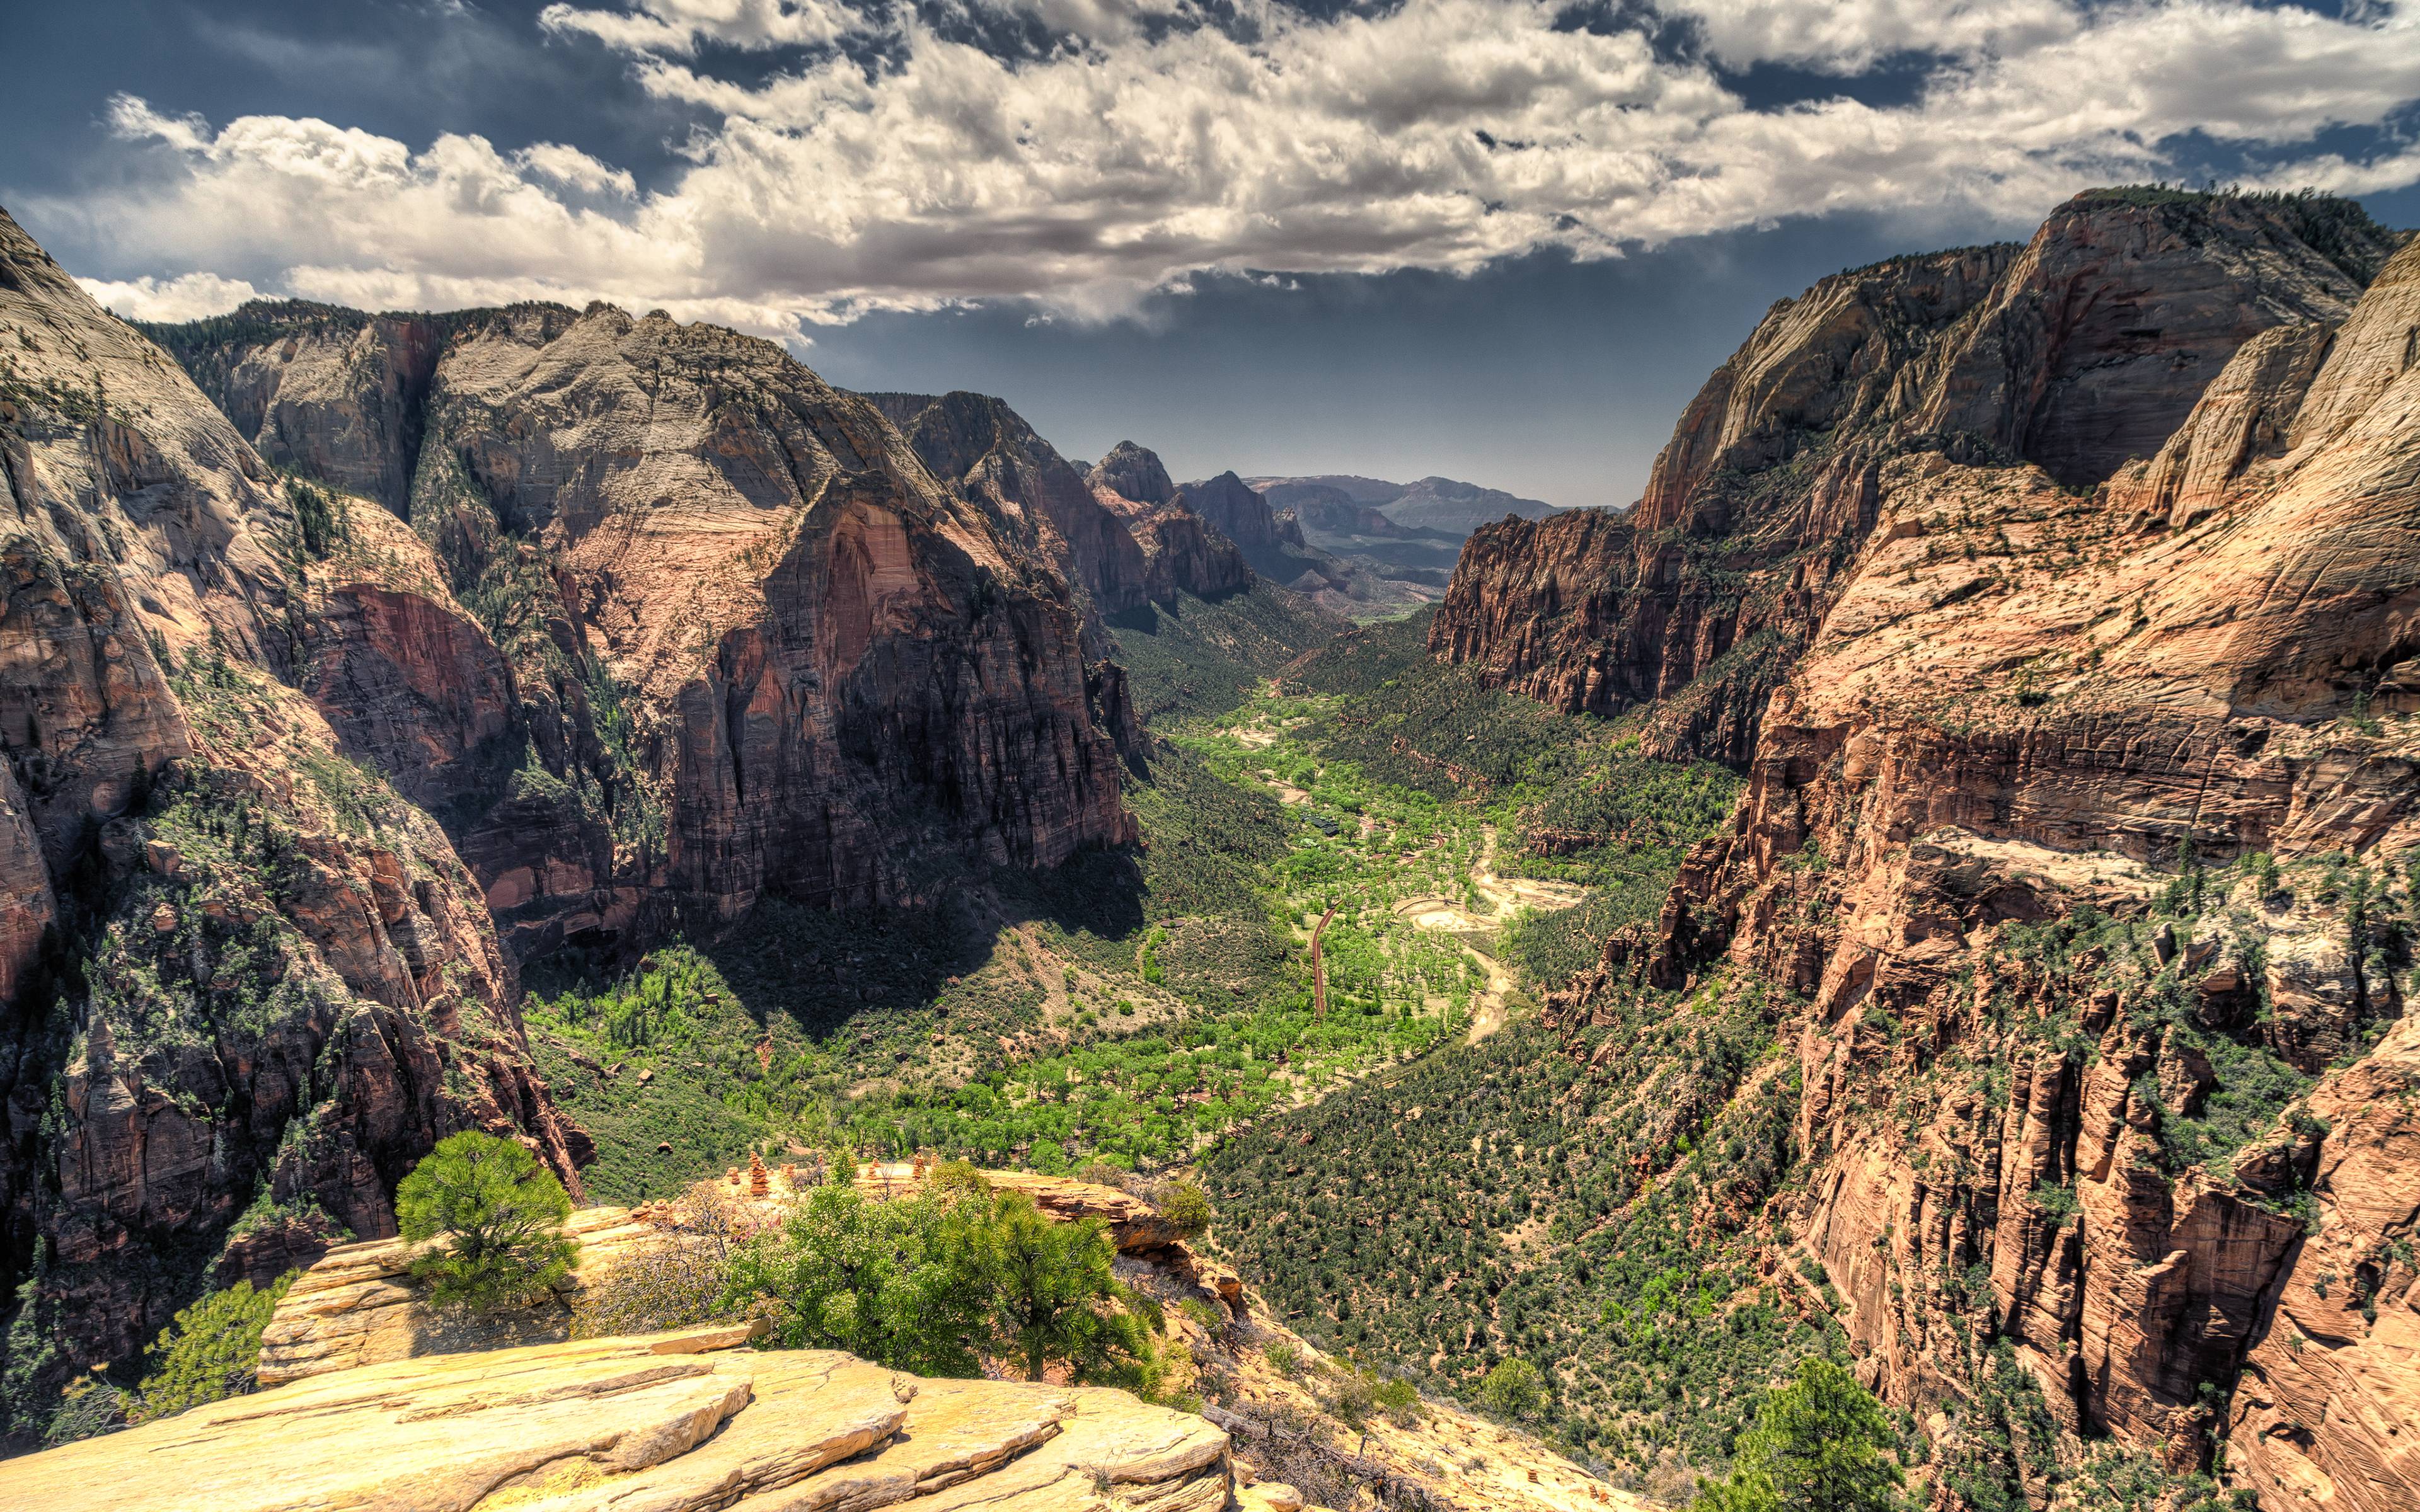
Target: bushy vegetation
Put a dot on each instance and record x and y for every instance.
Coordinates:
(941, 1283)
(493, 1217)
(1198, 657)
(1503, 1202)
(1821, 1443)
(211, 1352)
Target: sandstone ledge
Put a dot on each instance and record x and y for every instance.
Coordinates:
(359, 1306)
(661, 1423)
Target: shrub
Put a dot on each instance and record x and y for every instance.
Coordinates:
(1187, 1208)
(500, 1214)
(1514, 1388)
(89, 1407)
(211, 1352)
(937, 1282)
(898, 1283)
(680, 1280)
(1283, 1357)
(1057, 1301)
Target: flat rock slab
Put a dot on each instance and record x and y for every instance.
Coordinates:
(660, 1423)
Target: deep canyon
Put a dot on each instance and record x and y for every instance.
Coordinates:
(1930, 886)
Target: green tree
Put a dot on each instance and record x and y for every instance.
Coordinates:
(1513, 1388)
(211, 1352)
(500, 1214)
(1187, 1208)
(901, 1282)
(1820, 1444)
(1056, 1299)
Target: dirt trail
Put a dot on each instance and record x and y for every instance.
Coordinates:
(1319, 967)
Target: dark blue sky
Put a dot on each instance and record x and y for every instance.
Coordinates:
(1077, 235)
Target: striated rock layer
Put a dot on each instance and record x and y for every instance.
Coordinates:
(555, 625)
(2078, 831)
(687, 624)
(677, 1422)
(240, 976)
(2086, 346)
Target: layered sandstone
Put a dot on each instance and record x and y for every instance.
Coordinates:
(979, 445)
(685, 625)
(359, 1306)
(678, 1422)
(2085, 348)
(244, 978)
(1180, 550)
(2013, 725)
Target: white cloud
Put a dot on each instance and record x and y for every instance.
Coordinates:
(189, 296)
(1850, 36)
(1440, 133)
(680, 26)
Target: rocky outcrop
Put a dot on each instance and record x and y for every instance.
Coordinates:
(681, 1422)
(1242, 516)
(332, 392)
(684, 625)
(982, 446)
(2066, 1088)
(1180, 550)
(1132, 472)
(240, 978)
(2088, 346)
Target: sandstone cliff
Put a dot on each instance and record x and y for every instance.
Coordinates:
(2077, 835)
(240, 978)
(1181, 550)
(687, 626)
(358, 1310)
(2086, 346)
(680, 1422)
(978, 444)
(560, 625)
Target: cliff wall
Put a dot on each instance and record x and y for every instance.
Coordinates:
(2077, 842)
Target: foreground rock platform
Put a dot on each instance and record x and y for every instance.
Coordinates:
(674, 1422)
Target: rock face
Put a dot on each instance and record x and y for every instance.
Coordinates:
(359, 1306)
(1180, 550)
(1242, 516)
(684, 625)
(239, 975)
(562, 624)
(2069, 1099)
(679, 1422)
(2086, 346)
(982, 446)
(331, 391)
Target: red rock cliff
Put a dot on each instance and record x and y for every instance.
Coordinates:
(2077, 841)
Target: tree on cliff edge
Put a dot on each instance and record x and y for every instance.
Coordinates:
(1820, 1444)
(500, 1214)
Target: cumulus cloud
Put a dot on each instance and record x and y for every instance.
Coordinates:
(187, 297)
(1148, 141)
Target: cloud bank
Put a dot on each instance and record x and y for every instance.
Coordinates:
(892, 158)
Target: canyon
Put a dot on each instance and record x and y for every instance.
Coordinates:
(349, 663)
(1954, 834)
(2029, 585)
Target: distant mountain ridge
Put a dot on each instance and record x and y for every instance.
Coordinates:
(1431, 504)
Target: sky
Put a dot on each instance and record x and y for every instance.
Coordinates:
(1498, 240)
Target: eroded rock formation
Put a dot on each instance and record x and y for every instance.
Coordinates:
(2074, 839)
(2085, 348)
(241, 977)
(556, 625)
(681, 1422)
